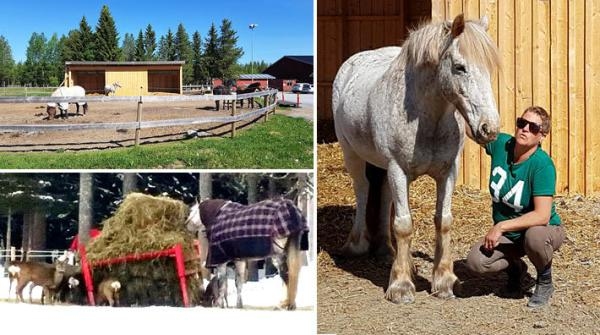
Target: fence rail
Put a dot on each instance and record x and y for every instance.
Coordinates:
(139, 124)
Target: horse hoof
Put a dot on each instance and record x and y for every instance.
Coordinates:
(401, 293)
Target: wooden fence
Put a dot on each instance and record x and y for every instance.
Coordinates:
(268, 106)
(550, 55)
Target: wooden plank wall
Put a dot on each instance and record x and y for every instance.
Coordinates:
(550, 57)
(345, 27)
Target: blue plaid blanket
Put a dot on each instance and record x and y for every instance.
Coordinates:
(245, 231)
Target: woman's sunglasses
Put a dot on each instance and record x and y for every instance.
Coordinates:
(534, 128)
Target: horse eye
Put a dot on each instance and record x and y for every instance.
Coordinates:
(460, 68)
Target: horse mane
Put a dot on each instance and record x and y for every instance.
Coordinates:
(426, 43)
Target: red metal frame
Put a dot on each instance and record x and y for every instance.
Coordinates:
(176, 251)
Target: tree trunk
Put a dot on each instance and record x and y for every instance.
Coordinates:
(8, 237)
(26, 241)
(85, 207)
(130, 183)
(38, 230)
(205, 186)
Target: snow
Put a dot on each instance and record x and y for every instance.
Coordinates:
(257, 317)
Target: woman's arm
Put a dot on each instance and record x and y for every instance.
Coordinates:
(539, 216)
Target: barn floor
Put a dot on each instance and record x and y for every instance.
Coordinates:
(351, 291)
(106, 112)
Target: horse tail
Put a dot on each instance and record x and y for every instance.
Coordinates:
(294, 262)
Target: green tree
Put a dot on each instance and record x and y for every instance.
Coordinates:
(183, 52)
(140, 52)
(199, 73)
(229, 52)
(150, 43)
(166, 47)
(34, 67)
(211, 53)
(52, 62)
(128, 50)
(107, 38)
(7, 63)
(86, 42)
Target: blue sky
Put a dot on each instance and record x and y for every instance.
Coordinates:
(285, 27)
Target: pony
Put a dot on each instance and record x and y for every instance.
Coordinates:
(112, 88)
(251, 88)
(222, 90)
(71, 91)
(402, 111)
(236, 233)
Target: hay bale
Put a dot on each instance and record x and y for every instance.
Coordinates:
(145, 223)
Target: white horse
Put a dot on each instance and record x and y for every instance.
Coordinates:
(404, 110)
(71, 91)
(112, 88)
(270, 228)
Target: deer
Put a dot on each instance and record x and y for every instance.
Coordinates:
(49, 276)
(108, 291)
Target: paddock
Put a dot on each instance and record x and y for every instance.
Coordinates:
(188, 116)
(350, 291)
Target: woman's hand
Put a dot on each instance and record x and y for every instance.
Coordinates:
(491, 239)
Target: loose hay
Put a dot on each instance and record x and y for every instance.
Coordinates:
(145, 223)
(576, 270)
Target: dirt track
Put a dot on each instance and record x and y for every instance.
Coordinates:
(108, 112)
(351, 291)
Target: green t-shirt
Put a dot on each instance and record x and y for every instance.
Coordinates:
(513, 186)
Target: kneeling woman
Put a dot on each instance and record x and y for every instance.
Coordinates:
(522, 185)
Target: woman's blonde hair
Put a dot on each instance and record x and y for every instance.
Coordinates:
(541, 112)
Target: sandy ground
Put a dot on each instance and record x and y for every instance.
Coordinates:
(109, 112)
(351, 290)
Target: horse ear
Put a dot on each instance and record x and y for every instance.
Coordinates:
(458, 25)
(484, 22)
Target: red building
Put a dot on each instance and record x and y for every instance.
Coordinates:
(290, 70)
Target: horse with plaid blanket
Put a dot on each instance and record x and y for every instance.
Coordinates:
(271, 228)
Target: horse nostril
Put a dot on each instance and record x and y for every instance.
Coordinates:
(484, 129)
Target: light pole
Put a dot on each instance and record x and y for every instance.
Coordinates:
(252, 26)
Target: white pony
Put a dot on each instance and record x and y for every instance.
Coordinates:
(112, 88)
(404, 110)
(71, 91)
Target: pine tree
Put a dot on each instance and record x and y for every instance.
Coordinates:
(183, 52)
(128, 50)
(166, 48)
(229, 53)
(140, 52)
(198, 69)
(149, 43)
(211, 53)
(107, 38)
(86, 42)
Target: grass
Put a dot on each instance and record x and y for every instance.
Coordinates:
(281, 143)
(26, 91)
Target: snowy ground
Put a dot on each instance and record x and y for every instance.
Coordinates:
(257, 317)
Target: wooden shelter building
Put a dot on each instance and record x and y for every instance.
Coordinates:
(135, 78)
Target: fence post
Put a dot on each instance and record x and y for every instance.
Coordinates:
(13, 254)
(139, 120)
(233, 110)
(266, 100)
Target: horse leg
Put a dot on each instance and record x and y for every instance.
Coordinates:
(240, 275)
(401, 287)
(443, 276)
(379, 204)
(217, 105)
(358, 240)
(293, 264)
(19, 290)
(221, 298)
